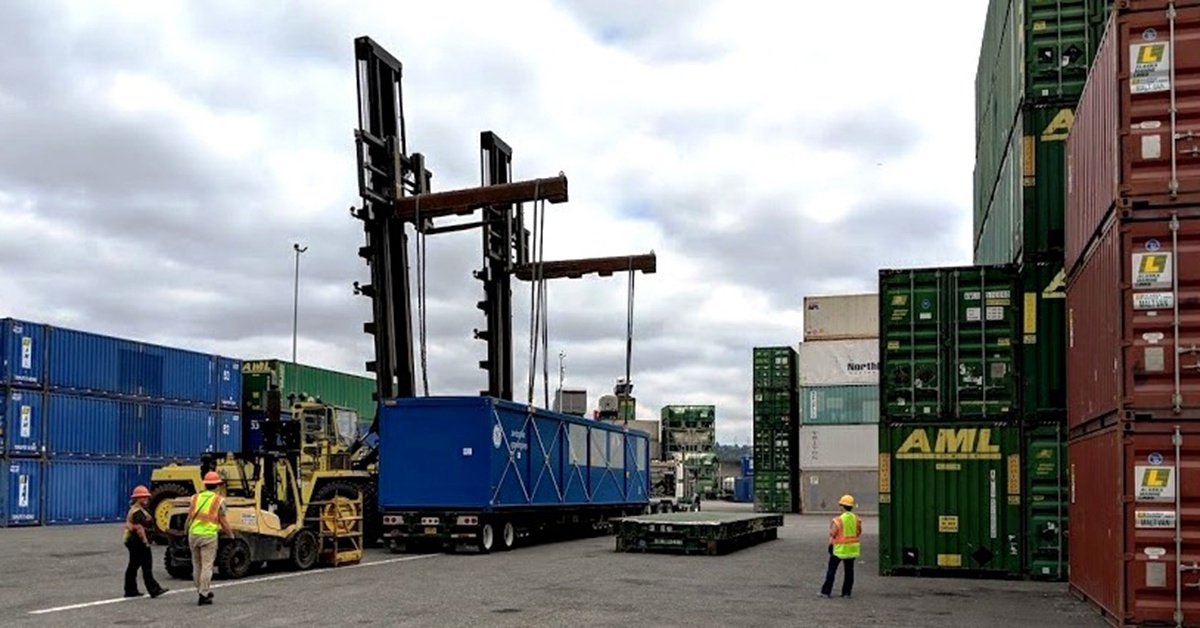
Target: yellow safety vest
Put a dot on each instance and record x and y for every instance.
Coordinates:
(206, 507)
(845, 538)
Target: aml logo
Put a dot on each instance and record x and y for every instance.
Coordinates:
(951, 444)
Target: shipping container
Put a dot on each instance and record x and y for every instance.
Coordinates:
(950, 498)
(1128, 151)
(839, 362)
(774, 368)
(841, 317)
(773, 491)
(1134, 324)
(229, 382)
(774, 448)
(1134, 507)
(950, 345)
(571, 401)
(653, 429)
(1046, 496)
(332, 387)
(228, 433)
(743, 490)
(775, 402)
(820, 490)
(22, 417)
(688, 440)
(23, 347)
(678, 416)
(1044, 342)
(99, 427)
(998, 92)
(747, 466)
(831, 447)
(839, 405)
(79, 491)
(999, 224)
(20, 491)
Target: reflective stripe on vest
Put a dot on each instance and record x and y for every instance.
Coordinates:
(206, 514)
(845, 538)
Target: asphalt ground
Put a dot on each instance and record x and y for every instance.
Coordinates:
(72, 576)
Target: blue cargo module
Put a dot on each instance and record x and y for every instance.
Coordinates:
(485, 473)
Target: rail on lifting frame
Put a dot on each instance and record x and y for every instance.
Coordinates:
(394, 187)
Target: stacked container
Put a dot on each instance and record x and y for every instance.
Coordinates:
(87, 417)
(689, 434)
(345, 390)
(1133, 303)
(839, 403)
(776, 429)
(949, 434)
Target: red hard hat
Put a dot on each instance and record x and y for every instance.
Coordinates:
(140, 491)
(212, 478)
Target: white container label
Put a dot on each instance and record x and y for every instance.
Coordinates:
(23, 491)
(1153, 301)
(1152, 270)
(1149, 67)
(26, 353)
(1154, 483)
(1155, 519)
(26, 428)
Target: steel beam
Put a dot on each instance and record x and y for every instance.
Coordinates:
(576, 268)
(465, 201)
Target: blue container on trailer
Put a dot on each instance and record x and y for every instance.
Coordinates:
(227, 436)
(23, 347)
(21, 421)
(484, 453)
(91, 491)
(20, 491)
(229, 382)
(92, 363)
(747, 466)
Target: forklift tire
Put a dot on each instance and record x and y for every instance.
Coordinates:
(304, 549)
(160, 508)
(233, 559)
(177, 568)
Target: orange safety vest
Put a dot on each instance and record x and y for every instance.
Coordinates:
(206, 522)
(846, 529)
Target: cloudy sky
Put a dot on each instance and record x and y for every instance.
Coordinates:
(158, 160)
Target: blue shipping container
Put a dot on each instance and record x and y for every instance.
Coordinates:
(21, 420)
(747, 466)
(485, 453)
(228, 436)
(99, 427)
(229, 382)
(179, 375)
(743, 489)
(78, 491)
(20, 492)
(23, 347)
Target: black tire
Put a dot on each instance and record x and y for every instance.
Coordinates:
(177, 568)
(233, 559)
(304, 549)
(372, 518)
(508, 536)
(159, 522)
(329, 491)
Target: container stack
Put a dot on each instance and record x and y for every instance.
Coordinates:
(1133, 303)
(949, 432)
(344, 390)
(689, 434)
(838, 368)
(776, 429)
(87, 417)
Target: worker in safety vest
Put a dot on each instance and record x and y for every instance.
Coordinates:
(844, 532)
(138, 545)
(206, 519)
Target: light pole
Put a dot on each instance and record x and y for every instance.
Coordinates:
(296, 307)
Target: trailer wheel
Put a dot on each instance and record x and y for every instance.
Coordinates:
(487, 538)
(508, 538)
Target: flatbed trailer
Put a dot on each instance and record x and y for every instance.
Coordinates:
(711, 533)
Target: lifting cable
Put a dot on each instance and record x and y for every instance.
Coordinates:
(421, 266)
(629, 327)
(536, 291)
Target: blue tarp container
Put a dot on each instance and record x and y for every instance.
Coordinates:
(20, 491)
(21, 422)
(485, 453)
(79, 426)
(23, 351)
(229, 382)
(79, 491)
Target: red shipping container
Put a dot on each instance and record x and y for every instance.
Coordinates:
(1131, 507)
(1126, 306)
(1126, 151)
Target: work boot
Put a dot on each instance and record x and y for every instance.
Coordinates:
(159, 592)
(133, 594)
(204, 600)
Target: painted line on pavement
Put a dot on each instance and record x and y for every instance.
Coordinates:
(236, 583)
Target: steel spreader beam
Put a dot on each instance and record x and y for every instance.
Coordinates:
(465, 201)
(576, 268)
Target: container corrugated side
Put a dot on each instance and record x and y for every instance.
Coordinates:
(184, 432)
(20, 491)
(1128, 152)
(1128, 351)
(23, 350)
(839, 405)
(1044, 182)
(1046, 501)
(820, 489)
(227, 435)
(841, 317)
(1044, 342)
(839, 362)
(177, 375)
(1124, 485)
(564, 461)
(839, 447)
(98, 427)
(998, 236)
(91, 363)
(22, 422)
(333, 387)
(998, 92)
(950, 498)
(77, 491)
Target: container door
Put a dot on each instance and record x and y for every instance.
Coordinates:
(229, 383)
(228, 435)
(983, 342)
(22, 420)
(24, 349)
(911, 330)
(22, 492)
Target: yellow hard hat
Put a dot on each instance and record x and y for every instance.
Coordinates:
(846, 500)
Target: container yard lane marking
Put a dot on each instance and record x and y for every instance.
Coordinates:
(236, 583)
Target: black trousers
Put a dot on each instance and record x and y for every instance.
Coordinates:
(141, 558)
(831, 574)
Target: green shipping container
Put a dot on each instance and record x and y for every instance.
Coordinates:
(771, 401)
(1046, 501)
(680, 416)
(772, 491)
(775, 368)
(775, 449)
(949, 343)
(950, 499)
(839, 405)
(332, 387)
(1044, 343)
